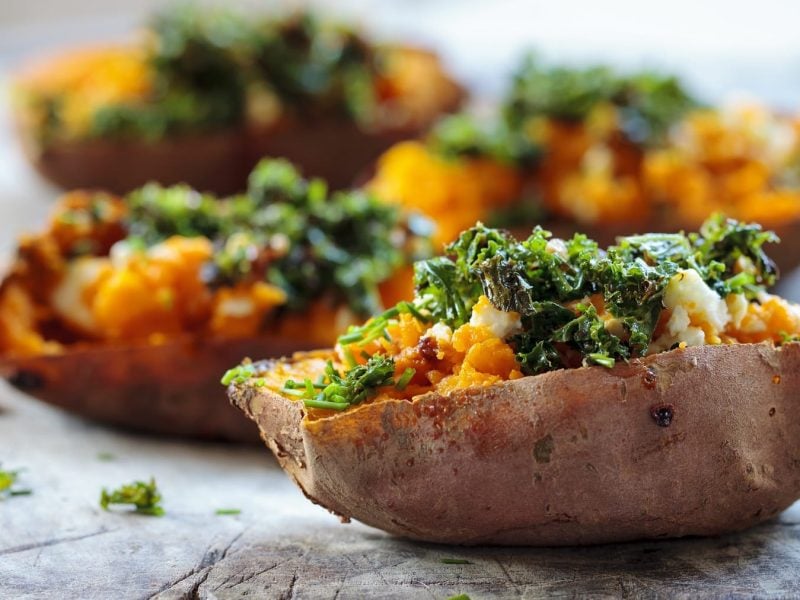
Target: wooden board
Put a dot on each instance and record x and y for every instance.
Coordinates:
(58, 543)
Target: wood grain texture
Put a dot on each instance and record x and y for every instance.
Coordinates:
(57, 543)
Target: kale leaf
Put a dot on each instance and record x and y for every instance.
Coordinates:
(288, 231)
(143, 496)
(463, 135)
(648, 103)
(557, 287)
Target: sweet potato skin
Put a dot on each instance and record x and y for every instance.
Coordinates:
(170, 389)
(216, 162)
(700, 441)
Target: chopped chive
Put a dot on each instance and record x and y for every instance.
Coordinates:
(238, 374)
(20, 492)
(293, 392)
(374, 335)
(348, 356)
(601, 359)
(405, 378)
(408, 307)
(105, 456)
(456, 561)
(325, 404)
(349, 338)
(228, 511)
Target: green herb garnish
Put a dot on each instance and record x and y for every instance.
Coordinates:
(552, 285)
(290, 232)
(456, 561)
(538, 280)
(240, 374)
(228, 511)
(376, 327)
(463, 136)
(648, 103)
(337, 391)
(207, 63)
(143, 496)
(8, 479)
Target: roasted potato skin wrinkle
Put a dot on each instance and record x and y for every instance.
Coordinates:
(567, 457)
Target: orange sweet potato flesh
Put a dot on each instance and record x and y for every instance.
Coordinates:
(700, 441)
(170, 389)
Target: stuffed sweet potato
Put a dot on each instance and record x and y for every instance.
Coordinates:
(605, 153)
(129, 311)
(204, 94)
(547, 392)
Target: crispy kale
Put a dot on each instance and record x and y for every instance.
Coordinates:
(462, 135)
(143, 496)
(648, 103)
(288, 231)
(315, 66)
(197, 65)
(557, 287)
(205, 61)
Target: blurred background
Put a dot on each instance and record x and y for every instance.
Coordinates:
(722, 49)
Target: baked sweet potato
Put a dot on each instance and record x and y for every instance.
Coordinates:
(549, 392)
(700, 441)
(206, 94)
(129, 311)
(604, 153)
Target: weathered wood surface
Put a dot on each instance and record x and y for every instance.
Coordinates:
(58, 543)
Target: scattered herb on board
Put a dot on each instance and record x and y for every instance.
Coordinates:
(8, 479)
(460, 597)
(456, 561)
(106, 457)
(228, 511)
(143, 496)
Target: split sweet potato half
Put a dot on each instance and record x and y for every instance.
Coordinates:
(700, 441)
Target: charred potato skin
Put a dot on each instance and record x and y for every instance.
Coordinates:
(700, 441)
